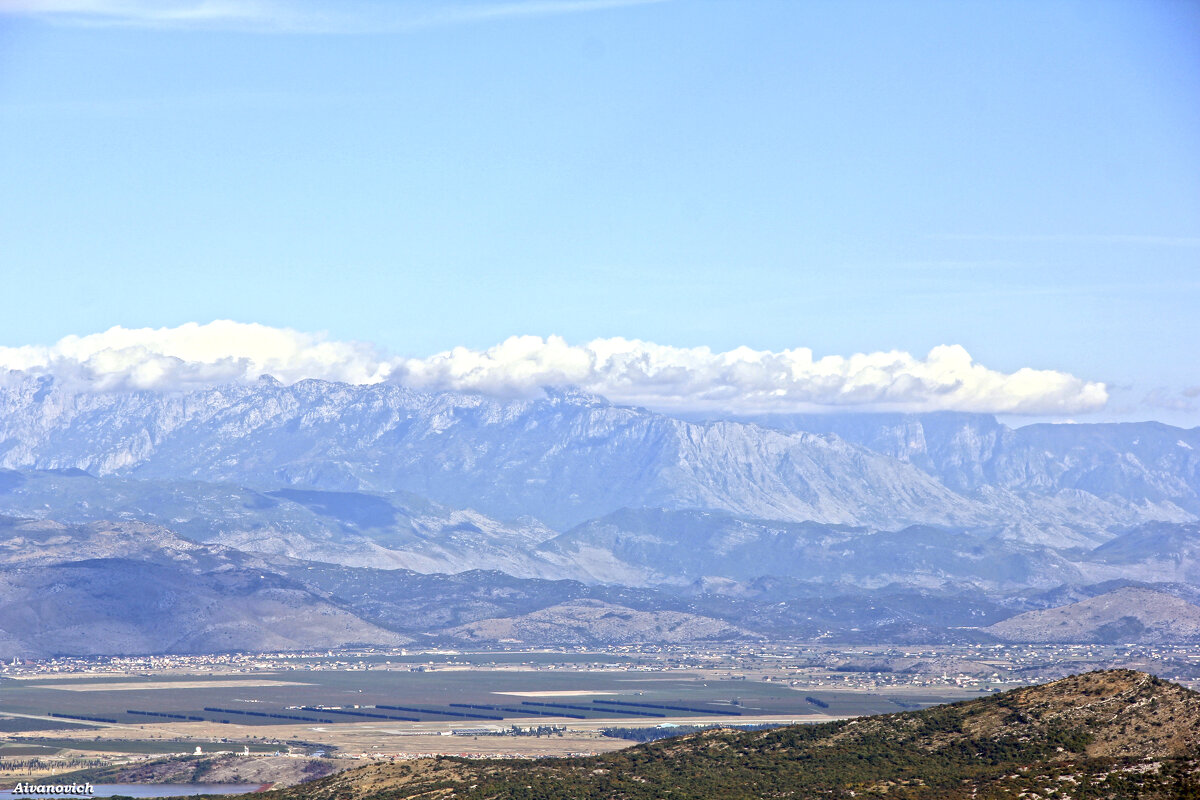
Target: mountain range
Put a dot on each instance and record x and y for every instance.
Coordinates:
(853, 525)
(570, 457)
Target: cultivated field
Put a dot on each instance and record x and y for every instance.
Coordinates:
(395, 703)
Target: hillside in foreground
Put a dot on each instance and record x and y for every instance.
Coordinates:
(1111, 734)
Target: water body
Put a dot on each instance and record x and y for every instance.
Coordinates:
(142, 790)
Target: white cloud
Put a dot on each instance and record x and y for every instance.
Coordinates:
(623, 370)
(747, 381)
(194, 355)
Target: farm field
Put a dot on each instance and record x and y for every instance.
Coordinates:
(403, 696)
(544, 702)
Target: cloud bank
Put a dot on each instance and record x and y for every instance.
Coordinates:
(623, 370)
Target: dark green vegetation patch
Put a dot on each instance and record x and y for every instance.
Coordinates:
(22, 724)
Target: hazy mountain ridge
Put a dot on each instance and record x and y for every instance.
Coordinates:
(135, 588)
(632, 547)
(1169, 553)
(570, 457)
(1140, 463)
(656, 546)
(564, 458)
(742, 529)
(395, 530)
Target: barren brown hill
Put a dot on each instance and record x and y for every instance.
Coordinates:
(1125, 615)
(594, 621)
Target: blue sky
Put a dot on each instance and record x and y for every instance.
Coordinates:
(1019, 178)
